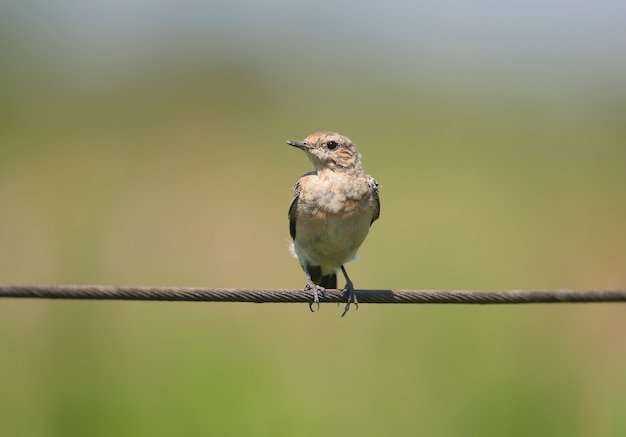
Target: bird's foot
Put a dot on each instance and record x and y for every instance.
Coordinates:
(318, 293)
(348, 292)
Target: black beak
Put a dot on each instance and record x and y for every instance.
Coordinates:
(299, 144)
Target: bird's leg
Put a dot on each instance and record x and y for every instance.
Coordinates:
(349, 291)
(317, 290)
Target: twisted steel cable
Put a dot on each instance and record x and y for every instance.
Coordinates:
(105, 292)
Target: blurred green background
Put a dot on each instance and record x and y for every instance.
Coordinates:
(143, 143)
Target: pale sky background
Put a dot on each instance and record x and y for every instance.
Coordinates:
(571, 43)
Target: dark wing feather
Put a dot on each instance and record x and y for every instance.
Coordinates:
(292, 210)
(375, 187)
(294, 204)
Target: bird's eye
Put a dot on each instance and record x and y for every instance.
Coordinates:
(331, 145)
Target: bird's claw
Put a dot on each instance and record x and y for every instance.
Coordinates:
(318, 293)
(351, 298)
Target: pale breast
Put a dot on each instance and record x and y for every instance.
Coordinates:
(333, 219)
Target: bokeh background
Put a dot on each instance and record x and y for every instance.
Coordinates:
(143, 143)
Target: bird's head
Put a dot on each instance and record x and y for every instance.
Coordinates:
(330, 150)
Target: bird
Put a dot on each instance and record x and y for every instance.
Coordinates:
(331, 212)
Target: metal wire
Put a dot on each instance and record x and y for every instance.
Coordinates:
(105, 292)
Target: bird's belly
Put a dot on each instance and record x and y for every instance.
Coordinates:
(330, 240)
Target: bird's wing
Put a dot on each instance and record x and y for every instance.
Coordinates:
(294, 204)
(292, 210)
(375, 187)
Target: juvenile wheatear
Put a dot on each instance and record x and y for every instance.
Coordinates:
(331, 212)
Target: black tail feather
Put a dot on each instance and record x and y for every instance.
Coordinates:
(326, 281)
(329, 281)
